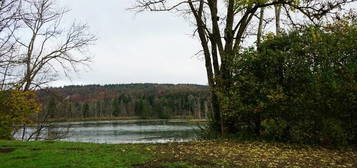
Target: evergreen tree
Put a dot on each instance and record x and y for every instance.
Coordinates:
(116, 107)
(52, 109)
(85, 110)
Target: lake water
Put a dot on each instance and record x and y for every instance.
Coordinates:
(128, 131)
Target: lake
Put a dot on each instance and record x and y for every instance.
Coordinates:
(123, 131)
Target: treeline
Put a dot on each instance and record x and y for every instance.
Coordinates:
(125, 100)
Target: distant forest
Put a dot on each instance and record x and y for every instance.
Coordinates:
(126, 100)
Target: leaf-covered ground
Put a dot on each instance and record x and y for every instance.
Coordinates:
(250, 154)
(223, 153)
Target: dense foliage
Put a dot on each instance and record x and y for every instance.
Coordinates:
(15, 109)
(300, 87)
(123, 100)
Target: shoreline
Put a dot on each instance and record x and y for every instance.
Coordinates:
(125, 119)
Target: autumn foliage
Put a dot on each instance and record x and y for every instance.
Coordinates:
(126, 100)
(16, 108)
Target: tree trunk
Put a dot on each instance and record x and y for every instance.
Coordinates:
(277, 19)
(208, 63)
(260, 28)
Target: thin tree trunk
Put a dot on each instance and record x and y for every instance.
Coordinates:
(260, 28)
(23, 132)
(4, 78)
(214, 56)
(277, 18)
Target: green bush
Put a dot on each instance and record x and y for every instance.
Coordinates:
(332, 133)
(306, 78)
(5, 130)
(274, 129)
(304, 132)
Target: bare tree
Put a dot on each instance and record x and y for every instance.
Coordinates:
(45, 46)
(222, 28)
(9, 10)
(36, 46)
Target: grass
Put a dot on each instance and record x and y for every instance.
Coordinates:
(61, 154)
(223, 153)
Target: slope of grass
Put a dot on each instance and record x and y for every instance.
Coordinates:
(198, 154)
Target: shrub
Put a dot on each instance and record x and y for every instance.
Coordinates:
(15, 108)
(274, 129)
(304, 132)
(306, 78)
(332, 133)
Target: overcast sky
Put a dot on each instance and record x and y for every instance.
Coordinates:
(149, 47)
(135, 48)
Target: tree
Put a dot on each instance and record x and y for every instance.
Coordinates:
(16, 108)
(85, 110)
(116, 107)
(300, 86)
(9, 24)
(277, 18)
(260, 27)
(51, 108)
(139, 108)
(35, 46)
(48, 46)
(222, 33)
(152, 100)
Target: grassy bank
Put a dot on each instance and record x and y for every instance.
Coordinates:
(193, 154)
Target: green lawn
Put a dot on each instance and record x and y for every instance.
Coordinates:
(61, 154)
(208, 154)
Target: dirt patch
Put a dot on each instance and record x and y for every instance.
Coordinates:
(7, 150)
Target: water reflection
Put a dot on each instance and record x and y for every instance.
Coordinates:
(129, 131)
